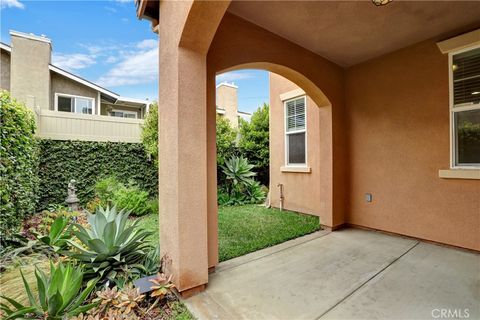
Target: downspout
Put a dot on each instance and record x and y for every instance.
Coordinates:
(280, 185)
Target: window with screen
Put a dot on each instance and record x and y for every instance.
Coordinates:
(76, 104)
(465, 78)
(295, 132)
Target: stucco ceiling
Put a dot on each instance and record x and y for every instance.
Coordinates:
(350, 32)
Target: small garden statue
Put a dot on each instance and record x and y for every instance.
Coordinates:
(72, 199)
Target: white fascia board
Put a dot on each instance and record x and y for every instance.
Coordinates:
(82, 81)
(30, 36)
(132, 100)
(5, 47)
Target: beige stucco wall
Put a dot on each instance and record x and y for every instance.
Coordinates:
(4, 70)
(318, 199)
(61, 84)
(227, 99)
(75, 126)
(398, 111)
(30, 76)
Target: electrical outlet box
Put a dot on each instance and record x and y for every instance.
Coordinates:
(368, 197)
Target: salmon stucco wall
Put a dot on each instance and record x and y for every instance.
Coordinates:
(318, 200)
(398, 115)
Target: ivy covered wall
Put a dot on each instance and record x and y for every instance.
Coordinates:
(87, 162)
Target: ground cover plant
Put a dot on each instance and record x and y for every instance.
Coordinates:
(104, 246)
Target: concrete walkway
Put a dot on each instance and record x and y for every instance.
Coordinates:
(348, 274)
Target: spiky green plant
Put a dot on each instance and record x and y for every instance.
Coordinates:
(109, 243)
(59, 295)
(237, 171)
(58, 235)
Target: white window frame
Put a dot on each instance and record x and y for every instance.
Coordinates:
(458, 108)
(57, 94)
(125, 112)
(287, 133)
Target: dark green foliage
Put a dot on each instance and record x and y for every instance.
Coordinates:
(18, 164)
(88, 162)
(254, 142)
(111, 192)
(59, 295)
(226, 144)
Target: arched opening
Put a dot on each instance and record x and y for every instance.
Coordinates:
(300, 152)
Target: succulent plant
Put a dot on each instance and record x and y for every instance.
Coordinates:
(59, 295)
(108, 243)
(162, 285)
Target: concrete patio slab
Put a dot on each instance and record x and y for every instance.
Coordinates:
(348, 274)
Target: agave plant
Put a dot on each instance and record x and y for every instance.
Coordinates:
(109, 243)
(238, 171)
(58, 235)
(59, 295)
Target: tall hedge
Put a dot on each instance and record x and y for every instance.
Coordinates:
(18, 163)
(87, 162)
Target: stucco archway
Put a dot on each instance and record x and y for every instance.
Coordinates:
(239, 44)
(318, 201)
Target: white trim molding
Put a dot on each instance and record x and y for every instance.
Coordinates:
(58, 94)
(460, 174)
(30, 36)
(82, 81)
(5, 47)
(299, 169)
(287, 133)
(460, 42)
(458, 108)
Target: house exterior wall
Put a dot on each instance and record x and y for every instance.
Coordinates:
(61, 84)
(4, 70)
(30, 76)
(398, 115)
(317, 201)
(105, 108)
(227, 99)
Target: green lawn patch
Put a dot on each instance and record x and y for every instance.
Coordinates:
(248, 228)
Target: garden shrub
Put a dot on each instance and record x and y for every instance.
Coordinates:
(111, 192)
(150, 131)
(254, 142)
(240, 187)
(89, 161)
(18, 163)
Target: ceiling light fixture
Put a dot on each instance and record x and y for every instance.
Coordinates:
(381, 2)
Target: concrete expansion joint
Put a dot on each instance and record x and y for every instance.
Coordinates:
(368, 280)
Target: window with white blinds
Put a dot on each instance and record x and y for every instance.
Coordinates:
(295, 131)
(465, 108)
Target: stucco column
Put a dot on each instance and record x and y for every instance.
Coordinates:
(186, 29)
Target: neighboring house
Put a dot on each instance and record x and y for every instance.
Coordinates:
(227, 103)
(68, 107)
